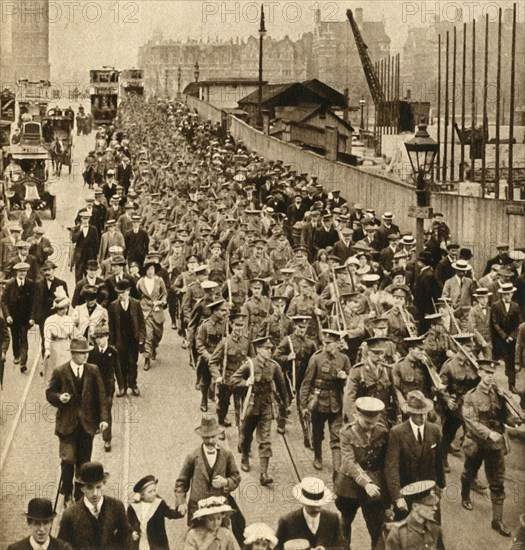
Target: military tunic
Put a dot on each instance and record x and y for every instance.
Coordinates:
(409, 375)
(362, 462)
(256, 310)
(305, 305)
(411, 535)
(237, 349)
(259, 414)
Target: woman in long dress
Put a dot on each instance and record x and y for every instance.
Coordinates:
(153, 299)
(28, 219)
(58, 331)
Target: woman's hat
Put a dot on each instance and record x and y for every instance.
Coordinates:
(89, 291)
(144, 482)
(417, 403)
(61, 302)
(211, 505)
(260, 531)
(79, 345)
(312, 491)
(40, 509)
(209, 426)
(151, 261)
(91, 473)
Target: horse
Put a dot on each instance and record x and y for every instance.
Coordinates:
(57, 155)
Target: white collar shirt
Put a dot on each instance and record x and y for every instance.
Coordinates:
(416, 428)
(211, 456)
(37, 546)
(312, 521)
(78, 370)
(94, 511)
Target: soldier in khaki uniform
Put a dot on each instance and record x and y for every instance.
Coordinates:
(307, 302)
(296, 350)
(412, 373)
(371, 378)
(321, 396)
(458, 377)
(438, 340)
(262, 373)
(485, 415)
(237, 285)
(360, 482)
(419, 530)
(256, 308)
(401, 324)
(237, 348)
(208, 336)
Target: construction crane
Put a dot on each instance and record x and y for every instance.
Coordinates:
(371, 77)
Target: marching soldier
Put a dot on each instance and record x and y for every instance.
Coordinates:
(237, 285)
(401, 324)
(360, 482)
(229, 355)
(307, 302)
(321, 396)
(438, 343)
(418, 530)
(293, 354)
(485, 415)
(208, 336)
(277, 325)
(479, 322)
(256, 308)
(371, 378)
(260, 373)
(458, 376)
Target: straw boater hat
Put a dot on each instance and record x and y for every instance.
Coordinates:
(312, 491)
(259, 531)
(210, 506)
(417, 403)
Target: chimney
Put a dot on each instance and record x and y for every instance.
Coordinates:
(359, 16)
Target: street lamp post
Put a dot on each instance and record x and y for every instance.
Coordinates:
(196, 72)
(422, 151)
(262, 34)
(179, 81)
(362, 104)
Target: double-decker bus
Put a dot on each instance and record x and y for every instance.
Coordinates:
(103, 92)
(132, 82)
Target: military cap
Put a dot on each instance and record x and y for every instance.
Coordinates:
(433, 316)
(369, 406)
(261, 341)
(237, 316)
(412, 341)
(217, 304)
(301, 318)
(300, 248)
(200, 268)
(400, 288)
(464, 337)
(420, 492)
(376, 343)
(237, 262)
(487, 365)
(335, 334)
(259, 242)
(287, 270)
(370, 278)
(257, 280)
(308, 280)
(215, 244)
(379, 320)
(129, 206)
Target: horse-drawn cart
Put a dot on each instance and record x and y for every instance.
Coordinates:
(58, 138)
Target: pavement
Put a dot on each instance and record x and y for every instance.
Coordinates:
(154, 432)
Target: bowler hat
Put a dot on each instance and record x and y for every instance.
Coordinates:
(79, 345)
(123, 285)
(48, 264)
(40, 509)
(209, 426)
(91, 473)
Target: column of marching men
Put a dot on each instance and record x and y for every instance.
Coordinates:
(279, 291)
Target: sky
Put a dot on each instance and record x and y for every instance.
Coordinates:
(87, 33)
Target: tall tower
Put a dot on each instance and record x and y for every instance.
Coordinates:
(30, 40)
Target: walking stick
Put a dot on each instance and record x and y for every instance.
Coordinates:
(58, 489)
(293, 367)
(249, 392)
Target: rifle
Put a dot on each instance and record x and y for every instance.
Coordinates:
(339, 307)
(411, 329)
(351, 277)
(249, 392)
(433, 373)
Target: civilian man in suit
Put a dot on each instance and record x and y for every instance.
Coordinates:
(385, 229)
(479, 322)
(96, 521)
(40, 517)
(125, 223)
(319, 527)
(127, 332)
(45, 289)
(444, 269)
(76, 389)
(208, 471)
(502, 257)
(343, 248)
(125, 173)
(414, 451)
(427, 289)
(386, 256)
(8, 250)
(86, 240)
(118, 263)
(371, 239)
(137, 242)
(111, 237)
(105, 357)
(40, 246)
(459, 288)
(519, 296)
(505, 319)
(22, 256)
(114, 210)
(17, 306)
